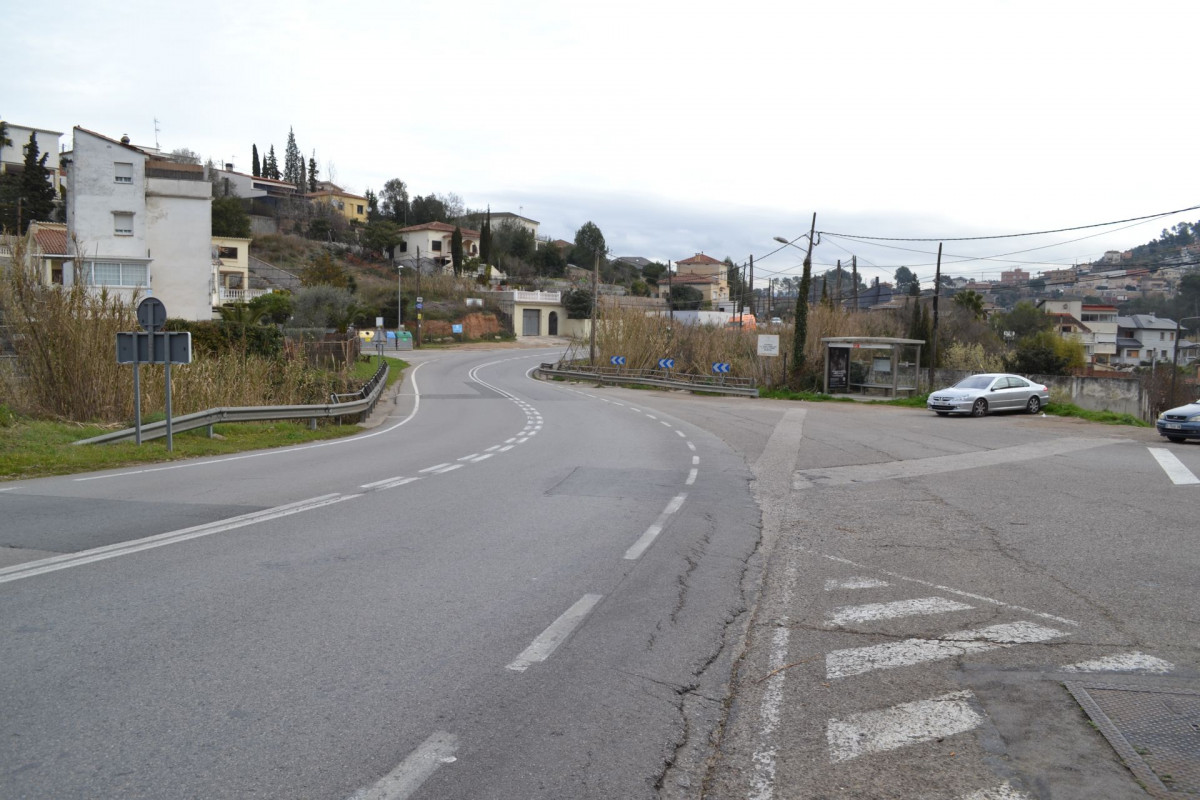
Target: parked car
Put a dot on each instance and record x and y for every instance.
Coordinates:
(1178, 424)
(981, 394)
(776, 321)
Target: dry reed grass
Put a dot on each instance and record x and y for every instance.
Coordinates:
(644, 339)
(66, 367)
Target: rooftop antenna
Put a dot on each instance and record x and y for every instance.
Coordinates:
(156, 147)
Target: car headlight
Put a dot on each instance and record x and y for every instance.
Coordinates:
(1194, 418)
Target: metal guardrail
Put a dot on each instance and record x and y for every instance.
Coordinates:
(368, 396)
(717, 384)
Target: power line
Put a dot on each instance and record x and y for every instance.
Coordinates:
(1009, 235)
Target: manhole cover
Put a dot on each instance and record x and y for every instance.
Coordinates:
(1155, 729)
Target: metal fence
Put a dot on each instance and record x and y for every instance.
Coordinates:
(667, 379)
(368, 396)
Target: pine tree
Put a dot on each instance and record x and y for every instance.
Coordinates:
(37, 192)
(271, 168)
(293, 162)
(256, 167)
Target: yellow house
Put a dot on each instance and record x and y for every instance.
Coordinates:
(351, 206)
(704, 273)
(231, 271)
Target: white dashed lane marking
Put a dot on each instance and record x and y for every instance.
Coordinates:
(550, 639)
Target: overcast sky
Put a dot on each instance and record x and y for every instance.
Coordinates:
(676, 127)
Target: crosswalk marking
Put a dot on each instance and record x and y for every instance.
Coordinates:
(857, 660)
(855, 583)
(1176, 471)
(1002, 792)
(901, 725)
(899, 608)
(1126, 662)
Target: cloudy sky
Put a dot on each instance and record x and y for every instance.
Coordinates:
(676, 127)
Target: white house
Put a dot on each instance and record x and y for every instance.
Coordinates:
(139, 223)
(1145, 337)
(12, 156)
(1094, 326)
(427, 246)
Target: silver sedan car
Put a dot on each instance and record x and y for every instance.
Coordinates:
(994, 391)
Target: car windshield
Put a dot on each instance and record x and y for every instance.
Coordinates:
(975, 382)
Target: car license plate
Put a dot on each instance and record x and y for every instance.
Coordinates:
(1173, 426)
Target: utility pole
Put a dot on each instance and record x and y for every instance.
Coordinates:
(753, 299)
(418, 344)
(595, 306)
(854, 278)
(800, 332)
(937, 291)
(837, 292)
(670, 293)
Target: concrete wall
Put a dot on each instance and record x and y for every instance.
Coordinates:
(1119, 395)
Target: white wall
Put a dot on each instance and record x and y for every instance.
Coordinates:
(179, 238)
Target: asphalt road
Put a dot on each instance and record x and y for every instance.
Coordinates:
(513, 588)
(508, 588)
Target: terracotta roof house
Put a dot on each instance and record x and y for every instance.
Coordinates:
(427, 246)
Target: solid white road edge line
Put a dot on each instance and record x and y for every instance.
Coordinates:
(549, 640)
(901, 725)
(56, 563)
(1176, 471)
(639, 547)
(405, 779)
(762, 782)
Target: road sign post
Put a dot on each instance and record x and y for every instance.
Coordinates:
(153, 346)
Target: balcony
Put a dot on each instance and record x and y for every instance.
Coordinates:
(225, 296)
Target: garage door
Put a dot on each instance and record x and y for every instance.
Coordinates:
(530, 322)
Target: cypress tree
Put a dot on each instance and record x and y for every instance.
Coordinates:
(485, 238)
(456, 250)
(271, 168)
(256, 167)
(312, 172)
(293, 162)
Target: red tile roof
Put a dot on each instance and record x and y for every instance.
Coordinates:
(699, 258)
(52, 241)
(441, 227)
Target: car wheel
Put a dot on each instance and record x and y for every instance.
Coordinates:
(1034, 405)
(980, 408)
(1176, 439)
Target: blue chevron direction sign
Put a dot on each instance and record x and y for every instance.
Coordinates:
(617, 361)
(666, 363)
(720, 368)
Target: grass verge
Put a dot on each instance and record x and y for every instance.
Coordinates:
(37, 448)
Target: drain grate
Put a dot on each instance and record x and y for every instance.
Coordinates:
(1155, 729)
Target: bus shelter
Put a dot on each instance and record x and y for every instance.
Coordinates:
(866, 364)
